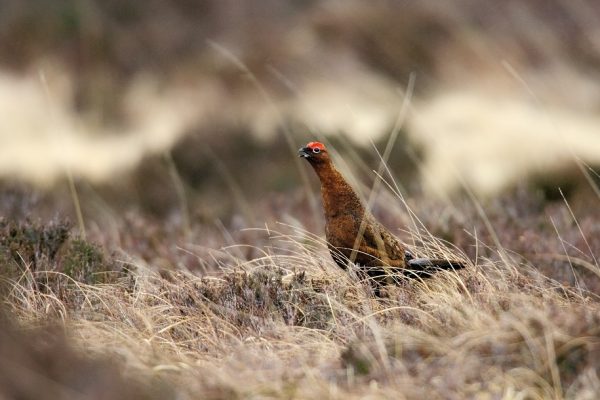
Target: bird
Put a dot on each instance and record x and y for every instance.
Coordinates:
(355, 236)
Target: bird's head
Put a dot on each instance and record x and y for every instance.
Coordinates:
(314, 152)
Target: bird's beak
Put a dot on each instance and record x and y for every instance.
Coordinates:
(304, 152)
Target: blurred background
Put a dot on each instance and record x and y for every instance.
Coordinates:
(201, 104)
(151, 133)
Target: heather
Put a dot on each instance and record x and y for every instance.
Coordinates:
(160, 238)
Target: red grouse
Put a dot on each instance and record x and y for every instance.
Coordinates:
(354, 235)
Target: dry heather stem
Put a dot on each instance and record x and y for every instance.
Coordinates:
(295, 326)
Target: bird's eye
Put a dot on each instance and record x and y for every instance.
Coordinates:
(316, 150)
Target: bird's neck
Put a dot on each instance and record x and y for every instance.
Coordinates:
(338, 196)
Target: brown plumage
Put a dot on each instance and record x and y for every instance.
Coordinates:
(354, 235)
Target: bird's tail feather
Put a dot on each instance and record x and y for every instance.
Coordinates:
(428, 265)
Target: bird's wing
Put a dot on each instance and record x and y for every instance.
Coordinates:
(378, 237)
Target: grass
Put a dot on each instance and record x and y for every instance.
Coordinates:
(155, 297)
(271, 316)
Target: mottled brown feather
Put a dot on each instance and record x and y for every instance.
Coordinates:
(352, 233)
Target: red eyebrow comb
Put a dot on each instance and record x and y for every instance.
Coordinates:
(316, 145)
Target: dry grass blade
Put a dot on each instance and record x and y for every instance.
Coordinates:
(290, 322)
